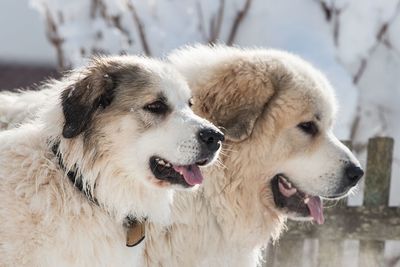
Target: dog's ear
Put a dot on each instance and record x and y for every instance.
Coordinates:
(234, 99)
(81, 100)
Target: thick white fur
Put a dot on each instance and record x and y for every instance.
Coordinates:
(21, 106)
(232, 215)
(45, 220)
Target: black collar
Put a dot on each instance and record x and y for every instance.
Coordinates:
(73, 176)
(135, 229)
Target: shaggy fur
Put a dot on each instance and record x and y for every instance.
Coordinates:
(99, 117)
(260, 98)
(22, 106)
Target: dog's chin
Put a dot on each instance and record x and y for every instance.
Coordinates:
(294, 203)
(171, 175)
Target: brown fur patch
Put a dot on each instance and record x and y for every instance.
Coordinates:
(235, 97)
(97, 90)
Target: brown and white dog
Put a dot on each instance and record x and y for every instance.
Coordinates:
(111, 143)
(280, 158)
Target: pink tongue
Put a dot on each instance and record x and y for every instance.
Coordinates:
(316, 209)
(191, 173)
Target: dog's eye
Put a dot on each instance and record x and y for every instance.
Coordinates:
(157, 107)
(191, 102)
(308, 127)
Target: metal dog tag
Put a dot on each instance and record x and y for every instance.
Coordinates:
(135, 233)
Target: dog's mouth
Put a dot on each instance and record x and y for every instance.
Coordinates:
(295, 202)
(185, 175)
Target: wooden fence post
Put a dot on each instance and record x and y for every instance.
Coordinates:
(376, 193)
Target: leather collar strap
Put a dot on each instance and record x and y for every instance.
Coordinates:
(135, 230)
(73, 176)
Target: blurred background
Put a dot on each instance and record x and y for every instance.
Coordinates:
(356, 43)
(26, 55)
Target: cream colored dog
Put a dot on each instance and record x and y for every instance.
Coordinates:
(112, 141)
(280, 157)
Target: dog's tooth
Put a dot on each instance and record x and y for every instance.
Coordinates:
(168, 165)
(162, 162)
(306, 200)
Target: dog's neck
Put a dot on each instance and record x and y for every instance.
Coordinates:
(241, 197)
(73, 175)
(135, 229)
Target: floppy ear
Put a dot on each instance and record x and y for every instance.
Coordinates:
(81, 100)
(234, 98)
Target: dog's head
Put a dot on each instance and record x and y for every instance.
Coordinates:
(277, 113)
(129, 118)
(311, 163)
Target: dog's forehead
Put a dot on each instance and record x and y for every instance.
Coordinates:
(170, 83)
(325, 108)
(149, 84)
(316, 109)
(313, 100)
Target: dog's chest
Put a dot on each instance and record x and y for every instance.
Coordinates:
(96, 244)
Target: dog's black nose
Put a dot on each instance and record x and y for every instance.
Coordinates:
(353, 174)
(211, 138)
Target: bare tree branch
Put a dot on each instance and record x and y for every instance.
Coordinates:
(357, 76)
(201, 20)
(327, 10)
(112, 20)
(216, 23)
(381, 38)
(241, 14)
(140, 28)
(332, 14)
(55, 39)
